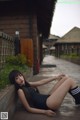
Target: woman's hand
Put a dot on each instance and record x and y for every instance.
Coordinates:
(50, 113)
(59, 77)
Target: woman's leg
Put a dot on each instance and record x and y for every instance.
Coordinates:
(56, 98)
(58, 84)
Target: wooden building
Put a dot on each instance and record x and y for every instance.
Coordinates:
(69, 43)
(32, 20)
(51, 40)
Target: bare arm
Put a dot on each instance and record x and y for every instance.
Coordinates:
(45, 81)
(30, 109)
(42, 82)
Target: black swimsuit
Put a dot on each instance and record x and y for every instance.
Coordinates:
(38, 100)
(35, 99)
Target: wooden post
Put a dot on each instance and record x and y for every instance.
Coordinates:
(35, 39)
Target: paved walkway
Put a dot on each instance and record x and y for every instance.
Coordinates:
(68, 109)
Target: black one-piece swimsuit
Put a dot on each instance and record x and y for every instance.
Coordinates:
(37, 100)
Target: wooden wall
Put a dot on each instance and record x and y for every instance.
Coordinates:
(17, 17)
(10, 24)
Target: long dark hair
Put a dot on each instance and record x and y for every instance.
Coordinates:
(13, 74)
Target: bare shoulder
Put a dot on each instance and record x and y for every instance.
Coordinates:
(20, 91)
(22, 94)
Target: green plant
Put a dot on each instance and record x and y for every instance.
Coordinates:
(74, 55)
(12, 62)
(22, 59)
(19, 59)
(71, 56)
(4, 73)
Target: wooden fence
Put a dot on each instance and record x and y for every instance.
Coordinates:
(6, 47)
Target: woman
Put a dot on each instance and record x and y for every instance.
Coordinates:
(35, 102)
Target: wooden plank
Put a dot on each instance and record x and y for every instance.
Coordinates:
(27, 50)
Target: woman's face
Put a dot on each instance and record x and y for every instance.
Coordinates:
(20, 80)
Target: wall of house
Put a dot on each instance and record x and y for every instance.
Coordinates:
(16, 17)
(11, 24)
(70, 50)
(67, 48)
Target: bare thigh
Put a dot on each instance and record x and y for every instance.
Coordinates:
(58, 84)
(56, 98)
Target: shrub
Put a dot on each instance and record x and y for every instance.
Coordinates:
(74, 55)
(71, 56)
(12, 62)
(20, 59)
